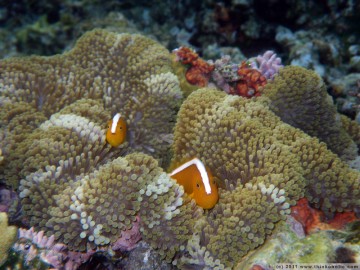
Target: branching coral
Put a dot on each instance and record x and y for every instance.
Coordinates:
(250, 81)
(268, 64)
(38, 249)
(243, 79)
(250, 150)
(298, 96)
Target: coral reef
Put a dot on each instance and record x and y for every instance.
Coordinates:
(257, 159)
(39, 251)
(250, 81)
(72, 184)
(313, 220)
(199, 71)
(8, 235)
(347, 92)
(298, 96)
(89, 209)
(268, 64)
(129, 238)
(9, 202)
(145, 92)
(143, 257)
(285, 245)
(239, 223)
(243, 79)
(83, 197)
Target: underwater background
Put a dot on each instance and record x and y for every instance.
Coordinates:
(266, 94)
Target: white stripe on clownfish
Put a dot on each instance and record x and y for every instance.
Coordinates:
(201, 167)
(115, 122)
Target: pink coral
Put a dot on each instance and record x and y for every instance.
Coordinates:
(224, 73)
(37, 245)
(244, 80)
(268, 64)
(7, 197)
(128, 238)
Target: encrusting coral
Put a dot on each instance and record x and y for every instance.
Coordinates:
(299, 97)
(263, 165)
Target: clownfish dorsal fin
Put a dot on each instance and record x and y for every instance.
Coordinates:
(202, 170)
(115, 122)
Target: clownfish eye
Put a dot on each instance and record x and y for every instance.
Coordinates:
(120, 127)
(27, 246)
(197, 185)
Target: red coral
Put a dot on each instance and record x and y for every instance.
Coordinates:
(186, 55)
(249, 83)
(258, 267)
(307, 216)
(341, 219)
(313, 219)
(199, 71)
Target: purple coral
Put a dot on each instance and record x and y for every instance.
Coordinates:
(37, 245)
(268, 64)
(224, 73)
(128, 238)
(8, 200)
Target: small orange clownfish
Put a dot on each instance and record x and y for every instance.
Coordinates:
(198, 182)
(116, 132)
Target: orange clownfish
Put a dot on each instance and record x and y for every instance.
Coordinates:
(198, 182)
(116, 132)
